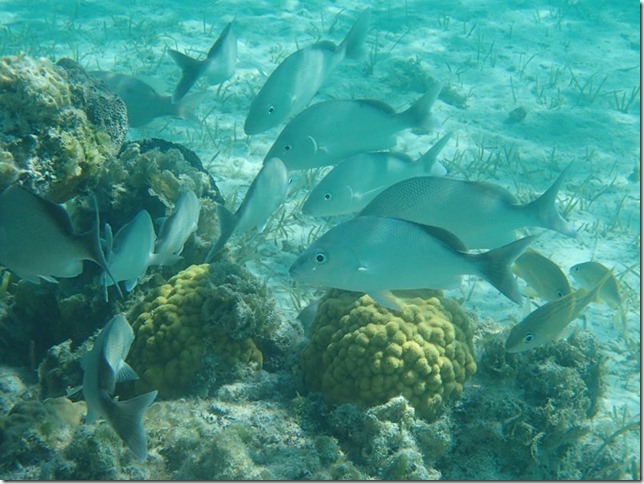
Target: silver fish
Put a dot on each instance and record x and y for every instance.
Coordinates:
(481, 214)
(143, 103)
(218, 66)
(353, 183)
(378, 254)
(104, 366)
(329, 131)
(264, 195)
(132, 251)
(177, 228)
(296, 80)
(547, 323)
(37, 240)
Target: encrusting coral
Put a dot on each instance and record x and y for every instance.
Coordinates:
(67, 126)
(193, 319)
(360, 352)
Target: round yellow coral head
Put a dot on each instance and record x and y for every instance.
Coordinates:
(363, 353)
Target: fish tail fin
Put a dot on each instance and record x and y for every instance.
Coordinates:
(190, 72)
(429, 158)
(126, 419)
(495, 266)
(543, 208)
(97, 250)
(353, 44)
(419, 115)
(227, 223)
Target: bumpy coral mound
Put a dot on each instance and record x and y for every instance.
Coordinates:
(177, 330)
(53, 138)
(362, 353)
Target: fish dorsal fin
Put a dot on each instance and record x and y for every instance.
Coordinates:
(324, 45)
(445, 236)
(491, 189)
(55, 211)
(377, 104)
(403, 157)
(220, 40)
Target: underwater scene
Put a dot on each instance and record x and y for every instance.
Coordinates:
(325, 240)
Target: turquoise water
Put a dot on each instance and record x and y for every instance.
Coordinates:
(527, 91)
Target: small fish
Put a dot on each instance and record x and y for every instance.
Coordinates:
(547, 323)
(177, 228)
(143, 103)
(103, 367)
(588, 274)
(264, 195)
(296, 80)
(218, 66)
(353, 183)
(483, 215)
(37, 240)
(542, 275)
(329, 131)
(378, 254)
(131, 251)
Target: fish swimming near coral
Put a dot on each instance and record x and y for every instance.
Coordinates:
(132, 251)
(143, 103)
(329, 131)
(103, 367)
(483, 215)
(265, 194)
(547, 323)
(378, 254)
(354, 182)
(218, 66)
(177, 228)
(542, 275)
(296, 80)
(37, 240)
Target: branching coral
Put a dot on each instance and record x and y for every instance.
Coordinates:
(362, 353)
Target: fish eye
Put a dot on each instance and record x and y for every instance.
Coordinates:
(328, 196)
(320, 257)
(271, 109)
(528, 338)
(559, 293)
(287, 147)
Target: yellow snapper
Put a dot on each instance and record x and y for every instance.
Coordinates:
(483, 215)
(329, 131)
(548, 322)
(296, 80)
(37, 240)
(176, 229)
(218, 66)
(143, 103)
(103, 367)
(265, 194)
(353, 183)
(542, 275)
(378, 254)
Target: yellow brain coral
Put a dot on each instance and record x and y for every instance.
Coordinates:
(362, 353)
(172, 335)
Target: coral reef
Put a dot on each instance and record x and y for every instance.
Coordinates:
(361, 352)
(67, 128)
(208, 318)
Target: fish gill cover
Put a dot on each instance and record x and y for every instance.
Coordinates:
(251, 384)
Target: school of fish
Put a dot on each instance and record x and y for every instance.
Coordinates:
(413, 226)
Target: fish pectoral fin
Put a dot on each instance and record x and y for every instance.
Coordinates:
(316, 147)
(73, 390)
(385, 299)
(48, 279)
(125, 373)
(131, 284)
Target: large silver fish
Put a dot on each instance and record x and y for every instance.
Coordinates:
(37, 240)
(218, 66)
(547, 323)
(329, 131)
(264, 195)
(353, 183)
(296, 80)
(378, 254)
(481, 214)
(132, 251)
(177, 228)
(143, 103)
(103, 366)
